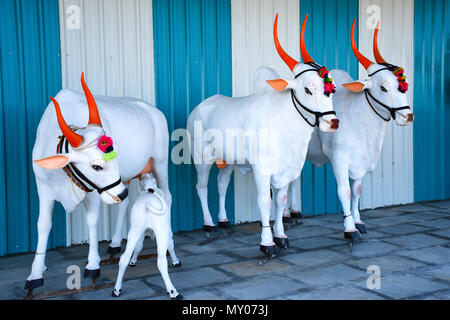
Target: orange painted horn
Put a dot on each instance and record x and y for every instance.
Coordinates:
(94, 117)
(376, 52)
(291, 63)
(73, 138)
(305, 56)
(363, 60)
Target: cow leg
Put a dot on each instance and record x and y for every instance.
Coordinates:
(137, 250)
(160, 172)
(134, 236)
(116, 241)
(202, 191)
(265, 203)
(223, 180)
(356, 195)
(295, 208)
(345, 194)
(92, 204)
(280, 239)
(162, 241)
(44, 226)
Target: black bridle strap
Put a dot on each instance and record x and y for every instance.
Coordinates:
(392, 111)
(80, 177)
(318, 115)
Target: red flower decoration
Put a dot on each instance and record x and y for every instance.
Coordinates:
(104, 143)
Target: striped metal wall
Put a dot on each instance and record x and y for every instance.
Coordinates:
(432, 100)
(252, 29)
(30, 71)
(392, 180)
(327, 40)
(192, 63)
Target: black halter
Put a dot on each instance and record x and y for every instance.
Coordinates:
(77, 176)
(295, 100)
(392, 111)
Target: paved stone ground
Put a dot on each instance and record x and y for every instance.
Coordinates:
(410, 244)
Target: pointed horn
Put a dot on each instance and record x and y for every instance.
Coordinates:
(94, 117)
(376, 52)
(305, 56)
(291, 63)
(73, 138)
(363, 60)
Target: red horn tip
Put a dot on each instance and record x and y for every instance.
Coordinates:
(362, 59)
(291, 63)
(74, 139)
(305, 55)
(376, 51)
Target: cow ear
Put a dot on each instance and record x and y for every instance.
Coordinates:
(357, 86)
(53, 162)
(279, 84)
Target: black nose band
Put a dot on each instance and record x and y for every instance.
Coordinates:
(392, 111)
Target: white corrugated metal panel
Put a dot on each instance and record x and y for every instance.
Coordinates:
(392, 180)
(253, 47)
(114, 47)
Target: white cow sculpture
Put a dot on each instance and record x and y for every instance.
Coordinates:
(150, 211)
(365, 109)
(84, 160)
(292, 108)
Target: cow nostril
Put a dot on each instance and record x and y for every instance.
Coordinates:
(123, 195)
(335, 124)
(410, 117)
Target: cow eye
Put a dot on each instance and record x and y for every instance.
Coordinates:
(383, 88)
(97, 168)
(308, 91)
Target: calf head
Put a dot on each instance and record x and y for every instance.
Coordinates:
(311, 88)
(91, 154)
(386, 87)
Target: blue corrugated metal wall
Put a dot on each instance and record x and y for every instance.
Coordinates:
(328, 42)
(30, 70)
(192, 62)
(431, 100)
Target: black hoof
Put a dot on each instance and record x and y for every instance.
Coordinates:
(210, 229)
(93, 274)
(132, 264)
(177, 265)
(225, 225)
(116, 250)
(178, 297)
(287, 220)
(116, 295)
(361, 228)
(33, 284)
(270, 252)
(296, 215)
(352, 236)
(283, 243)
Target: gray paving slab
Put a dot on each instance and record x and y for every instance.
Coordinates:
(415, 241)
(314, 243)
(441, 233)
(435, 224)
(337, 293)
(401, 286)
(387, 264)
(305, 260)
(366, 248)
(402, 229)
(434, 255)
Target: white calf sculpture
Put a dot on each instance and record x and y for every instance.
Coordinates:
(365, 109)
(150, 211)
(85, 161)
(292, 108)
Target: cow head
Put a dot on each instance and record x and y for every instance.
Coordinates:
(312, 88)
(91, 153)
(386, 87)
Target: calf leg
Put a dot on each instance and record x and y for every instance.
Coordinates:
(223, 180)
(92, 205)
(162, 241)
(356, 195)
(44, 226)
(137, 250)
(281, 201)
(134, 236)
(114, 247)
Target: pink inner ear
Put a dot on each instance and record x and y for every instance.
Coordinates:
(52, 163)
(354, 86)
(278, 84)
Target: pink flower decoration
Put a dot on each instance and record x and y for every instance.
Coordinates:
(104, 143)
